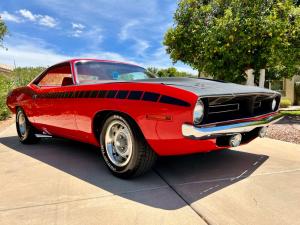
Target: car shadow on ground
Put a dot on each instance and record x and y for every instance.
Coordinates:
(290, 119)
(193, 177)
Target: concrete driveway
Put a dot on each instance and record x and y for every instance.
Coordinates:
(63, 182)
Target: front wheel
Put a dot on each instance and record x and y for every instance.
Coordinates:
(24, 129)
(124, 148)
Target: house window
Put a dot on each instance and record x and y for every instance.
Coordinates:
(276, 85)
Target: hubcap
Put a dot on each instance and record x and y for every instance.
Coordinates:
(118, 143)
(22, 124)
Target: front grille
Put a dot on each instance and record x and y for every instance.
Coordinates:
(224, 108)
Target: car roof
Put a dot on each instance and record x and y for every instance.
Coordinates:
(91, 59)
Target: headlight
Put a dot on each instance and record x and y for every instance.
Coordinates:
(198, 112)
(274, 103)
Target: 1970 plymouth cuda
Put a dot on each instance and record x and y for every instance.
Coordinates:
(134, 116)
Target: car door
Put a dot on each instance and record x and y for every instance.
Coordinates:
(54, 104)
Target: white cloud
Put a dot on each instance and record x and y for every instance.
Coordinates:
(29, 51)
(161, 60)
(128, 33)
(43, 20)
(94, 37)
(33, 54)
(10, 17)
(26, 51)
(77, 33)
(27, 14)
(108, 56)
(77, 29)
(141, 46)
(78, 26)
(125, 30)
(30, 55)
(47, 21)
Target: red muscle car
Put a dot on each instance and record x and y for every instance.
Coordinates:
(134, 116)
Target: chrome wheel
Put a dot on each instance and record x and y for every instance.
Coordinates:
(118, 143)
(22, 124)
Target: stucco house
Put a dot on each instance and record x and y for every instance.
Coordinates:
(285, 86)
(5, 68)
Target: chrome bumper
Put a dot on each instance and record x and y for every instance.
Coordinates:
(193, 132)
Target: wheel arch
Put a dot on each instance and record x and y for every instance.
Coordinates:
(101, 116)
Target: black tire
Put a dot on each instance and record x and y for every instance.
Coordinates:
(142, 156)
(26, 133)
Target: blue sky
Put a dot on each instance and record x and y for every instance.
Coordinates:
(48, 31)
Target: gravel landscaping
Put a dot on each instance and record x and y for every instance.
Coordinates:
(288, 129)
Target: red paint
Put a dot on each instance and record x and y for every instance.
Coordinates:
(73, 117)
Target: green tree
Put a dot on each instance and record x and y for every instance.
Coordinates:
(3, 31)
(169, 72)
(230, 39)
(152, 71)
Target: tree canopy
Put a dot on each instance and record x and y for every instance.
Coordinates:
(3, 31)
(224, 38)
(168, 72)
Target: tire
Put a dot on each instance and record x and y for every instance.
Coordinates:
(25, 130)
(124, 149)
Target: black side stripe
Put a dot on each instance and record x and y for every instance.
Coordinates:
(150, 96)
(121, 94)
(111, 94)
(102, 94)
(135, 95)
(173, 101)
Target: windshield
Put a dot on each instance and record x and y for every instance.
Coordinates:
(93, 71)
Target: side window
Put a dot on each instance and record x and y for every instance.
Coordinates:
(57, 76)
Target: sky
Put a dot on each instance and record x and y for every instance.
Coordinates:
(44, 32)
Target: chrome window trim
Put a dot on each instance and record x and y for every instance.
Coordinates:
(92, 60)
(44, 73)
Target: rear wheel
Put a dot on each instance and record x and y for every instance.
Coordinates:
(124, 148)
(25, 131)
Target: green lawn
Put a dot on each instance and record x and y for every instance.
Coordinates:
(291, 113)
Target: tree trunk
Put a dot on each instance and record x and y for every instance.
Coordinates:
(199, 73)
(250, 76)
(262, 77)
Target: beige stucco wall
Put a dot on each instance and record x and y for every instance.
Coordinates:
(289, 89)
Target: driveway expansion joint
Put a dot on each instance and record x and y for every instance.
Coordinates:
(182, 198)
(85, 199)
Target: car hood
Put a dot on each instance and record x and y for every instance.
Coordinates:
(207, 87)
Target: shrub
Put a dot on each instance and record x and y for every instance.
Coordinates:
(285, 102)
(297, 90)
(5, 85)
(19, 77)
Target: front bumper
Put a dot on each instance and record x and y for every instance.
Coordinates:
(193, 132)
